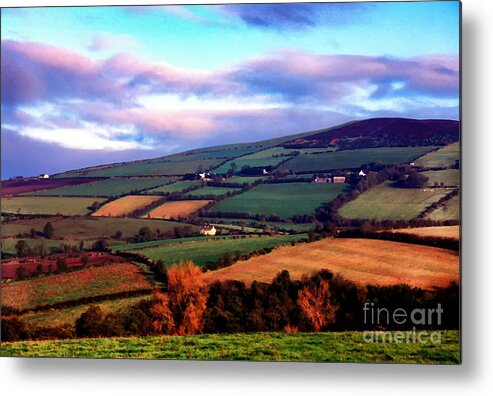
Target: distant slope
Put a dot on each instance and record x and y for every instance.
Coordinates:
(382, 132)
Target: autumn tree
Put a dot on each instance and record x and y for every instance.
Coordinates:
(187, 297)
(162, 317)
(22, 249)
(316, 305)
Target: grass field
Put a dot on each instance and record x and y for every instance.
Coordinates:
(175, 187)
(353, 158)
(243, 179)
(285, 199)
(89, 227)
(8, 244)
(174, 209)
(68, 316)
(48, 205)
(441, 232)
(385, 202)
(107, 188)
(363, 261)
(212, 191)
(252, 162)
(125, 205)
(97, 281)
(207, 251)
(443, 157)
(449, 177)
(309, 347)
(163, 242)
(449, 211)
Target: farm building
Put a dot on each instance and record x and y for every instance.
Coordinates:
(44, 176)
(361, 173)
(339, 179)
(322, 180)
(208, 230)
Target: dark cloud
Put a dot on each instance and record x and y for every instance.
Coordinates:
(296, 15)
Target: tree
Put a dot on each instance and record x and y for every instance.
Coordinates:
(162, 317)
(22, 249)
(61, 265)
(415, 180)
(315, 304)
(48, 230)
(100, 245)
(90, 322)
(20, 273)
(95, 206)
(145, 234)
(33, 233)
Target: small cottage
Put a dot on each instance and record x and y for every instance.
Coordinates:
(208, 230)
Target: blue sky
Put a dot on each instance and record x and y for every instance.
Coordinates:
(99, 84)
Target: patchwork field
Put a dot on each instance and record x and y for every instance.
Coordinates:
(91, 282)
(284, 199)
(108, 188)
(175, 209)
(306, 347)
(89, 227)
(48, 205)
(211, 191)
(208, 250)
(350, 159)
(14, 187)
(385, 202)
(364, 261)
(441, 232)
(443, 157)
(449, 177)
(449, 211)
(175, 187)
(125, 205)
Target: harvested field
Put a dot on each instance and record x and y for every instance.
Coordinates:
(449, 177)
(443, 157)
(174, 209)
(48, 205)
(440, 232)
(448, 211)
(125, 205)
(363, 261)
(99, 281)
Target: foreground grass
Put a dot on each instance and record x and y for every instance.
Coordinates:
(309, 347)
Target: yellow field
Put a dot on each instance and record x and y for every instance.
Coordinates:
(363, 261)
(125, 205)
(174, 209)
(442, 232)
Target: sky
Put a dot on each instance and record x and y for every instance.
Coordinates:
(83, 86)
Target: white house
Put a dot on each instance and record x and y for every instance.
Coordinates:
(208, 230)
(44, 176)
(361, 173)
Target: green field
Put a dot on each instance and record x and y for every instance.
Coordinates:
(309, 347)
(252, 162)
(385, 202)
(175, 187)
(207, 251)
(213, 191)
(163, 242)
(449, 177)
(90, 227)
(284, 199)
(349, 159)
(68, 316)
(51, 245)
(148, 168)
(48, 205)
(444, 157)
(107, 188)
(243, 179)
(449, 211)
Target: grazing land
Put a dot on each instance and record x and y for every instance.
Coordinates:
(363, 261)
(98, 281)
(252, 162)
(448, 211)
(449, 177)
(443, 157)
(108, 188)
(385, 202)
(351, 159)
(441, 232)
(69, 206)
(68, 316)
(89, 227)
(175, 187)
(175, 209)
(51, 245)
(347, 346)
(208, 250)
(284, 199)
(125, 205)
(211, 191)
(243, 179)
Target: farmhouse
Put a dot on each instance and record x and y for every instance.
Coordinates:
(339, 179)
(322, 180)
(208, 230)
(361, 173)
(44, 176)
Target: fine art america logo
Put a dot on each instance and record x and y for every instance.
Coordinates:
(381, 317)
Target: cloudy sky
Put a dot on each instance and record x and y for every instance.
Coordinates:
(91, 85)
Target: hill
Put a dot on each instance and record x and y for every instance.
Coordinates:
(382, 132)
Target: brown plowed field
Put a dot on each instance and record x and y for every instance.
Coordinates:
(125, 205)
(439, 232)
(175, 209)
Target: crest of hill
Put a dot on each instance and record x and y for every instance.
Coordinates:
(382, 132)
